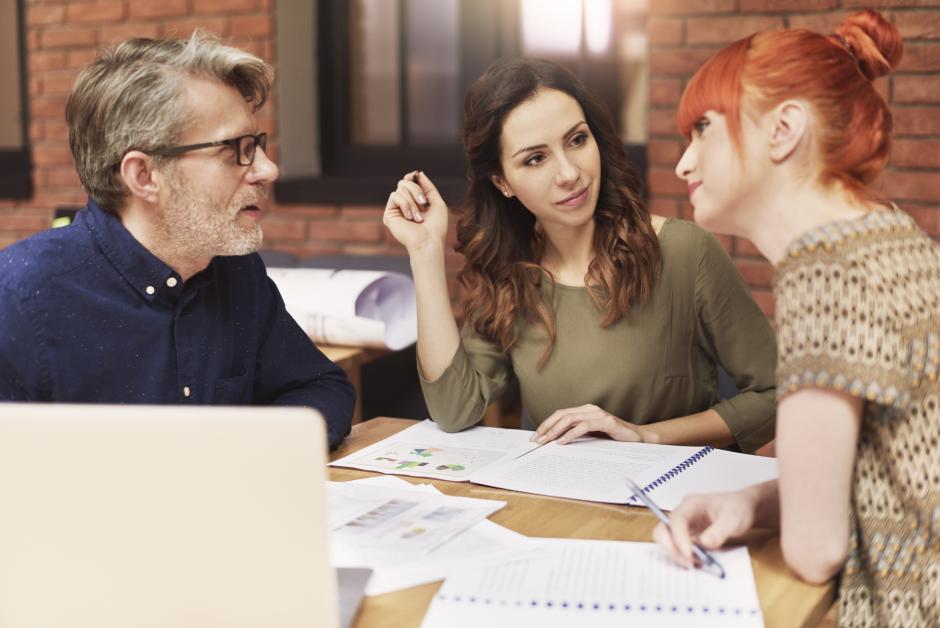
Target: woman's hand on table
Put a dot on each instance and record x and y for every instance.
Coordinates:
(568, 424)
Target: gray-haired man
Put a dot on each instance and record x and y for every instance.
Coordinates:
(155, 293)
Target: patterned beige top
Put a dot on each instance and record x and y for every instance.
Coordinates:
(858, 310)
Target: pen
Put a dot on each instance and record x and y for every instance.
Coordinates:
(697, 549)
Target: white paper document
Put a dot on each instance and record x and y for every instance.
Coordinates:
(482, 543)
(398, 522)
(591, 469)
(350, 307)
(598, 584)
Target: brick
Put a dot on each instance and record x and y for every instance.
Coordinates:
(62, 177)
(920, 57)
(157, 8)
(37, 131)
(918, 24)
(664, 207)
(25, 223)
(40, 60)
(724, 30)
(52, 155)
(37, 15)
(346, 231)
(775, 6)
(362, 212)
(284, 228)
(921, 153)
(745, 248)
(764, 300)
(664, 181)
(665, 91)
(224, 6)
(55, 129)
(47, 106)
(316, 211)
(895, 4)
(68, 37)
(917, 89)
(755, 272)
(927, 218)
(97, 12)
(690, 7)
(251, 26)
(916, 120)
(678, 62)
(113, 33)
(664, 152)
(818, 22)
(185, 27)
(58, 84)
(664, 31)
(662, 122)
(912, 186)
(79, 58)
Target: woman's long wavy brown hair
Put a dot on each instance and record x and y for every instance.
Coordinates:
(498, 235)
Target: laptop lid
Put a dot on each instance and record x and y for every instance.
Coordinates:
(159, 516)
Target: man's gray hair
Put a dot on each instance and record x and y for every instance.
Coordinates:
(130, 98)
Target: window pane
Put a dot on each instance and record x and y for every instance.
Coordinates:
(11, 127)
(433, 36)
(374, 73)
(551, 27)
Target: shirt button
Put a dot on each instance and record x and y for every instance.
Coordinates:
(186, 391)
(171, 282)
(150, 289)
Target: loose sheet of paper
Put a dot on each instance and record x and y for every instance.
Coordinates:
(480, 544)
(598, 583)
(399, 522)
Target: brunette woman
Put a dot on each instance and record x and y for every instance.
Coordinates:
(613, 321)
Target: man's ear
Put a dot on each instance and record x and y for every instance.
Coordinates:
(790, 127)
(138, 174)
(501, 185)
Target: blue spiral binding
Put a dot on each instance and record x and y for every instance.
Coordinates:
(676, 470)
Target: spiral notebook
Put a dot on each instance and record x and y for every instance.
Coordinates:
(590, 469)
(599, 584)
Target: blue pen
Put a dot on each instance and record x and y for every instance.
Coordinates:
(700, 553)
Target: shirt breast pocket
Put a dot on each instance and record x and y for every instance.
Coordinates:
(232, 390)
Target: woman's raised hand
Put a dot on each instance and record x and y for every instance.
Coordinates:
(415, 213)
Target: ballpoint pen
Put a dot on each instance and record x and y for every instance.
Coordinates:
(698, 550)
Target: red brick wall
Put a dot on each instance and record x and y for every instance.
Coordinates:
(62, 36)
(683, 33)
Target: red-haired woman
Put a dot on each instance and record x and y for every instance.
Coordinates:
(787, 133)
(612, 321)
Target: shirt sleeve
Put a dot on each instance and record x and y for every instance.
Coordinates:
(23, 367)
(739, 337)
(291, 371)
(475, 378)
(834, 332)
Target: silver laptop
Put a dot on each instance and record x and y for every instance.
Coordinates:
(145, 516)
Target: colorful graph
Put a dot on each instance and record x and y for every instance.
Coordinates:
(422, 459)
(425, 452)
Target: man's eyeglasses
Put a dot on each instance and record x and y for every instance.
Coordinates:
(244, 146)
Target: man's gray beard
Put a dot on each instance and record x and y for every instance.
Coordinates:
(191, 230)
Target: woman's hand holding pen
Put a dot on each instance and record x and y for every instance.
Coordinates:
(568, 424)
(709, 520)
(415, 213)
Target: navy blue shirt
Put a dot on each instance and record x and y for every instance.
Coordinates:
(87, 314)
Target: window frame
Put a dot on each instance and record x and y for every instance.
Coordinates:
(16, 170)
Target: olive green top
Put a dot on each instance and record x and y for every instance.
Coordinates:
(658, 362)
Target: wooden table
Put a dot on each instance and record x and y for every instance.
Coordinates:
(785, 601)
(351, 359)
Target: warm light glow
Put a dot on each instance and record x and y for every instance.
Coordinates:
(551, 26)
(597, 23)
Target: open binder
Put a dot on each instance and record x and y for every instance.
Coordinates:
(590, 469)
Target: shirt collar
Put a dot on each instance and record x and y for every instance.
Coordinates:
(145, 272)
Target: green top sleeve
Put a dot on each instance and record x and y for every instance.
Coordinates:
(475, 378)
(737, 335)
